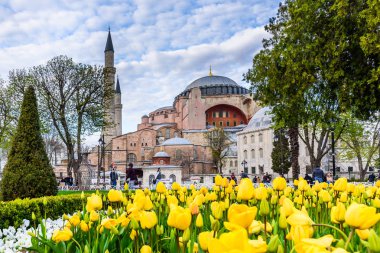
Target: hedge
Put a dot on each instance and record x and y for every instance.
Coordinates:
(13, 212)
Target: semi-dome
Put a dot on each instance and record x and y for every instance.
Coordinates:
(176, 141)
(210, 81)
(261, 119)
(161, 154)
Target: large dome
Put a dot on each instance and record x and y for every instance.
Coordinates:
(214, 85)
(261, 119)
(210, 81)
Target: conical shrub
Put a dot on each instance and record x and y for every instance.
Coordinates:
(28, 172)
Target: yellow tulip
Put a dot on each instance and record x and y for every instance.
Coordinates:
(160, 188)
(246, 189)
(350, 188)
(218, 180)
(299, 218)
(179, 217)
(172, 200)
(254, 227)
(74, 220)
(363, 234)
(261, 193)
(241, 214)
(148, 219)
(123, 220)
(279, 184)
(146, 249)
(315, 245)
(298, 233)
(317, 186)
(108, 223)
(325, 196)
(287, 207)
(361, 216)
(148, 205)
(338, 212)
(217, 209)
(115, 195)
(62, 235)
(133, 234)
(258, 245)
(176, 186)
(84, 226)
(234, 241)
(94, 203)
(94, 216)
(376, 203)
(377, 184)
(340, 184)
(343, 197)
(303, 185)
(204, 238)
(199, 221)
(225, 182)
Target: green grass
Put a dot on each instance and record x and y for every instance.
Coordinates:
(78, 192)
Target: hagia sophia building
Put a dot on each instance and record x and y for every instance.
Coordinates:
(172, 137)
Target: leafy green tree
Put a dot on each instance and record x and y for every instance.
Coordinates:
(28, 173)
(219, 141)
(7, 116)
(280, 152)
(361, 142)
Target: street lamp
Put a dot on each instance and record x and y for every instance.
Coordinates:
(276, 139)
(333, 151)
(101, 161)
(244, 163)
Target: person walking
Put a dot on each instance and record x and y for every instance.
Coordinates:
(157, 178)
(114, 177)
(371, 178)
(131, 175)
(329, 178)
(233, 177)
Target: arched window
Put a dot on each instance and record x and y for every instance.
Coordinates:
(261, 153)
(167, 133)
(260, 137)
(253, 154)
(252, 138)
(236, 163)
(172, 178)
(245, 155)
(245, 139)
(231, 163)
(131, 158)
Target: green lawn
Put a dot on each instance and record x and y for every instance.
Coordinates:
(78, 192)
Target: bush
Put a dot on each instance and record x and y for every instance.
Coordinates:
(13, 212)
(28, 173)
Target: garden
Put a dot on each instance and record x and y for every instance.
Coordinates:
(339, 217)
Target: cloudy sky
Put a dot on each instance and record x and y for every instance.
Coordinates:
(160, 46)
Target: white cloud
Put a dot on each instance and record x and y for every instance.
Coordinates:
(160, 47)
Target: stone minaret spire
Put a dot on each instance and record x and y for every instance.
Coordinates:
(109, 84)
(118, 108)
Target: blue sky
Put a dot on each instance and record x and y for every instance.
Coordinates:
(160, 46)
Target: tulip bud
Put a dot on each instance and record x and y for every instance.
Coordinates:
(215, 225)
(186, 235)
(280, 249)
(82, 195)
(114, 230)
(373, 241)
(199, 221)
(33, 216)
(44, 201)
(282, 221)
(340, 244)
(134, 224)
(273, 199)
(264, 207)
(158, 230)
(273, 244)
(109, 211)
(86, 249)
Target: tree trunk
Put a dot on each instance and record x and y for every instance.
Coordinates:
(294, 150)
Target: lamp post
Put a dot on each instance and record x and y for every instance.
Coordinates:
(333, 151)
(101, 163)
(244, 163)
(276, 139)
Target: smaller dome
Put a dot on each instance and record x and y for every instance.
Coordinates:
(145, 116)
(161, 154)
(176, 141)
(261, 119)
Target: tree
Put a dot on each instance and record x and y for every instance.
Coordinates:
(280, 153)
(71, 96)
(7, 117)
(219, 142)
(361, 141)
(28, 173)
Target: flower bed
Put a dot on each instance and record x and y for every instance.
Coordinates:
(339, 218)
(12, 213)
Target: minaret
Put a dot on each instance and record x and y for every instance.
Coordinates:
(109, 85)
(118, 107)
